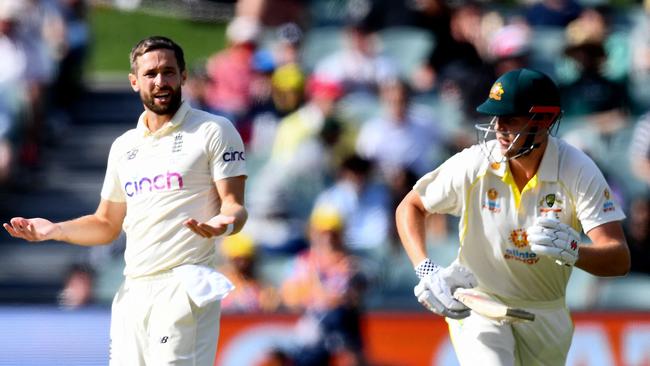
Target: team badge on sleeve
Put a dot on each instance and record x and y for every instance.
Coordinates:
(609, 204)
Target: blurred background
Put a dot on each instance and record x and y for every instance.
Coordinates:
(342, 104)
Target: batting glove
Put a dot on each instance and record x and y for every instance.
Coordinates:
(552, 238)
(437, 285)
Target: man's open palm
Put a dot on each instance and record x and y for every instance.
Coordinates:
(36, 229)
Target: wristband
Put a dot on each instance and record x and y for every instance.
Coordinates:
(425, 267)
(229, 230)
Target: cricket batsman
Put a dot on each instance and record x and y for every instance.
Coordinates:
(523, 198)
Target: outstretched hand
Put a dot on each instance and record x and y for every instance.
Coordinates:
(214, 227)
(36, 229)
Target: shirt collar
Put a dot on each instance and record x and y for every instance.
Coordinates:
(548, 167)
(177, 120)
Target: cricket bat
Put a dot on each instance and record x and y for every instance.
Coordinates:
(490, 307)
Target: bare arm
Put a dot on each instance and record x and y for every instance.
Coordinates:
(608, 255)
(231, 194)
(410, 219)
(102, 227)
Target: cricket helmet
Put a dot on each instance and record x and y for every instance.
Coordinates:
(521, 92)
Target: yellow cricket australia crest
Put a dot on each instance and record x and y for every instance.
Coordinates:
(496, 91)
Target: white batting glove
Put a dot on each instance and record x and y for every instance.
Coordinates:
(554, 239)
(437, 285)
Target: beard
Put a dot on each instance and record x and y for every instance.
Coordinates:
(164, 109)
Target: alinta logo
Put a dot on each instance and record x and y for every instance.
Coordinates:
(519, 238)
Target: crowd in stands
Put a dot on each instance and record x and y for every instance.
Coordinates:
(342, 106)
(43, 44)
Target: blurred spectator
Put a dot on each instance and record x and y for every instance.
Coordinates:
(598, 123)
(639, 46)
(288, 45)
(552, 13)
(301, 162)
(24, 73)
(78, 288)
(593, 27)
(272, 13)
(288, 88)
(250, 294)
(430, 15)
(326, 286)
(287, 93)
(639, 152)
(509, 48)
(591, 91)
(398, 139)
(359, 65)
(230, 70)
(261, 88)
(638, 234)
(364, 204)
(196, 86)
(457, 50)
(71, 51)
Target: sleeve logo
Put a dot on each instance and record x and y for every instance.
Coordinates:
(233, 155)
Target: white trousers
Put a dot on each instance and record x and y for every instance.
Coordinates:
(154, 322)
(544, 342)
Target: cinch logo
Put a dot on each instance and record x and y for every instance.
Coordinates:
(161, 182)
(233, 155)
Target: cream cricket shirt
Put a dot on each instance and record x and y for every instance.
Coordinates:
(167, 177)
(494, 215)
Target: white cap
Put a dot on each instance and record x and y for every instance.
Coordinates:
(243, 29)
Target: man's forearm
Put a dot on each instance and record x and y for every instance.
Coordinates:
(87, 230)
(239, 212)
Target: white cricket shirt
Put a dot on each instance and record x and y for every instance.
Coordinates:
(494, 215)
(167, 177)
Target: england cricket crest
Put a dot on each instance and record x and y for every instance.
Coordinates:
(491, 202)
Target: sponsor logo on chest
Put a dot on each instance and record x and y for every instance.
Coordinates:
(168, 181)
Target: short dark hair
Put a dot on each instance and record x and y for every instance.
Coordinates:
(156, 43)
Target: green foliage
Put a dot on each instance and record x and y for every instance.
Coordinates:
(114, 32)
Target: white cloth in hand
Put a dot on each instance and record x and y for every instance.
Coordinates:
(554, 239)
(203, 284)
(435, 290)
